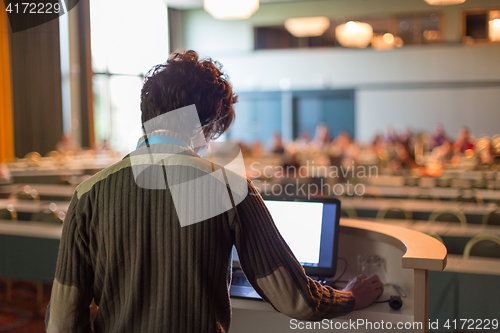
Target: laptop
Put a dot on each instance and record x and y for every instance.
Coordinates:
(310, 228)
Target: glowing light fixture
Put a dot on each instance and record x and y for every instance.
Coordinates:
(388, 38)
(354, 34)
(444, 2)
(307, 26)
(231, 9)
(386, 41)
(430, 35)
(494, 26)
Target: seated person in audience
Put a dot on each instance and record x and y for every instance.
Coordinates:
(257, 149)
(389, 135)
(442, 157)
(488, 156)
(303, 140)
(300, 144)
(463, 141)
(349, 150)
(377, 144)
(245, 149)
(123, 246)
(439, 136)
(406, 136)
(277, 144)
(67, 145)
(322, 137)
(5, 176)
(404, 160)
(291, 162)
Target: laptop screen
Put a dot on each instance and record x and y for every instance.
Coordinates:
(310, 228)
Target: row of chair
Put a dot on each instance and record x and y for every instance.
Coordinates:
(49, 214)
(440, 215)
(484, 245)
(479, 246)
(443, 182)
(464, 195)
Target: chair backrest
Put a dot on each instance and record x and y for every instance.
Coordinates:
(46, 215)
(472, 197)
(33, 158)
(433, 234)
(492, 218)
(423, 196)
(8, 213)
(483, 246)
(370, 196)
(411, 181)
(443, 182)
(394, 213)
(27, 193)
(427, 182)
(448, 215)
(349, 212)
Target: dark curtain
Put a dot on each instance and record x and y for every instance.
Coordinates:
(36, 88)
(85, 59)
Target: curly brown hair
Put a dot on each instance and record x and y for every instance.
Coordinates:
(185, 80)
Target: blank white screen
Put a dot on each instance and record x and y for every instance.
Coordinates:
(300, 225)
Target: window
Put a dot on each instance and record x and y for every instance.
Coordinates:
(412, 29)
(127, 39)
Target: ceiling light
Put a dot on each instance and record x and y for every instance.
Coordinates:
(388, 38)
(430, 35)
(494, 30)
(231, 9)
(444, 2)
(354, 34)
(307, 26)
(386, 41)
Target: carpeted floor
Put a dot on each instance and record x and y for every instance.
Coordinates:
(23, 314)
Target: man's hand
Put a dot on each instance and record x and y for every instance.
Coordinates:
(365, 290)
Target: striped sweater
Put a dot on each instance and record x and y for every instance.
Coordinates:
(123, 247)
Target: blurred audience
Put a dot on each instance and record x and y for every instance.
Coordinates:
(395, 153)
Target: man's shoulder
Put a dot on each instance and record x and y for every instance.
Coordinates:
(86, 185)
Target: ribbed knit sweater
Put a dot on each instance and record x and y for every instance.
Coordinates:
(123, 246)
